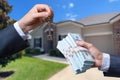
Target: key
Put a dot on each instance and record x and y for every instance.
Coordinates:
(49, 22)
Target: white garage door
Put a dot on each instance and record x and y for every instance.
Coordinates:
(103, 43)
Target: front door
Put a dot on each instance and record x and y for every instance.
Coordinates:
(48, 40)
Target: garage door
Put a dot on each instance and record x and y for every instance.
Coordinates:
(103, 43)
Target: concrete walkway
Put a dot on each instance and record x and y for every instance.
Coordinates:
(50, 58)
(67, 73)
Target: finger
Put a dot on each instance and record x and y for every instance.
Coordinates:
(43, 8)
(41, 15)
(51, 13)
(84, 44)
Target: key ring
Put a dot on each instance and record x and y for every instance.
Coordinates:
(49, 21)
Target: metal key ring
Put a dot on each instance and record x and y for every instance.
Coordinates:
(48, 19)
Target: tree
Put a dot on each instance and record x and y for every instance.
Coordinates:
(5, 8)
(5, 20)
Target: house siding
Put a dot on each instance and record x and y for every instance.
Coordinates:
(101, 36)
(68, 28)
(98, 29)
(38, 33)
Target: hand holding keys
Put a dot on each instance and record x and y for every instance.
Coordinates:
(78, 57)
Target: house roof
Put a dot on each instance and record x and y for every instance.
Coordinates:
(99, 19)
(95, 19)
(69, 21)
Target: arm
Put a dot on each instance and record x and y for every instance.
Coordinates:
(114, 69)
(101, 61)
(11, 41)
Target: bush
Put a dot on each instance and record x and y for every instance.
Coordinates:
(33, 51)
(28, 50)
(19, 54)
(56, 53)
(5, 60)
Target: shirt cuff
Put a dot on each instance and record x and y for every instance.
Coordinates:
(105, 62)
(25, 36)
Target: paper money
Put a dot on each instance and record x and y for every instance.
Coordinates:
(78, 57)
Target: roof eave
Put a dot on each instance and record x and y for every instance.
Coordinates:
(82, 25)
(115, 19)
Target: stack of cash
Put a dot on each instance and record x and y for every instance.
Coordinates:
(78, 57)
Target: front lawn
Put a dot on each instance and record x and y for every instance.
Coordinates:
(29, 68)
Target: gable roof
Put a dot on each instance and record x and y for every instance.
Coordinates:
(99, 19)
(69, 21)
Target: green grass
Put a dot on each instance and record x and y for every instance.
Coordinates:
(29, 68)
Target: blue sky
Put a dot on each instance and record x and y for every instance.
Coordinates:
(66, 9)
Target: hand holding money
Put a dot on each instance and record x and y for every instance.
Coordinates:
(98, 56)
(78, 57)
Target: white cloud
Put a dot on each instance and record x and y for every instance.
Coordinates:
(71, 16)
(71, 5)
(67, 6)
(113, 1)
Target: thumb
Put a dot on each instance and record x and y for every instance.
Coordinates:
(84, 44)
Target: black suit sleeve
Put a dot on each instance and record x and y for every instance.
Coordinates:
(114, 70)
(11, 42)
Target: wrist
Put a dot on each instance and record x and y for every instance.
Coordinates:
(98, 63)
(22, 26)
(105, 63)
(20, 31)
(99, 60)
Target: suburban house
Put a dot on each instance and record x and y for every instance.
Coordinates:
(101, 30)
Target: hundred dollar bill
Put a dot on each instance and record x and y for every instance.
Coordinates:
(77, 37)
(78, 57)
(74, 54)
(74, 49)
(64, 50)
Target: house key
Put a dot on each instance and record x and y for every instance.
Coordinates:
(49, 21)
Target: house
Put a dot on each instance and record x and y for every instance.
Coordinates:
(102, 30)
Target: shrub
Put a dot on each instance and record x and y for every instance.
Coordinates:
(33, 51)
(36, 51)
(28, 50)
(5, 60)
(56, 53)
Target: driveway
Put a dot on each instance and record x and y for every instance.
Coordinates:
(67, 73)
(91, 74)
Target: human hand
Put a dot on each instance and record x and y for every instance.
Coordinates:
(97, 55)
(35, 17)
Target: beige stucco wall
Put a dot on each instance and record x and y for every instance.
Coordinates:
(65, 28)
(101, 37)
(37, 33)
(102, 29)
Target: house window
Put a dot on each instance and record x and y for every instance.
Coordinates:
(38, 42)
(60, 37)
